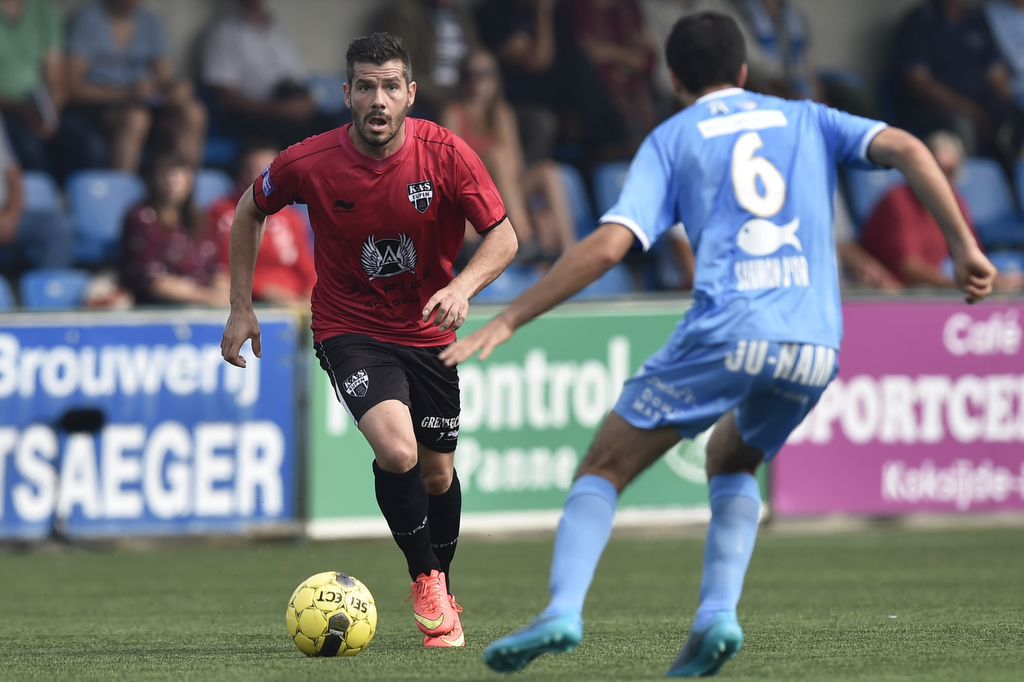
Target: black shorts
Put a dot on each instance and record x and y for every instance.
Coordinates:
(366, 372)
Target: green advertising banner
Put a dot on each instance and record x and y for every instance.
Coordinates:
(528, 415)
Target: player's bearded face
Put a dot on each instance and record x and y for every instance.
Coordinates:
(379, 101)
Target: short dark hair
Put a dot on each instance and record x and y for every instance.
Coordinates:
(377, 48)
(705, 49)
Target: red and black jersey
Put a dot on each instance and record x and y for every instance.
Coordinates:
(387, 231)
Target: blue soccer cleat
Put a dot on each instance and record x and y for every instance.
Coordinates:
(705, 652)
(546, 634)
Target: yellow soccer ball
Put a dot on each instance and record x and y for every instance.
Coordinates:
(331, 614)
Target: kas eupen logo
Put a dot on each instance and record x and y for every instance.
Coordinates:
(357, 384)
(388, 257)
(420, 194)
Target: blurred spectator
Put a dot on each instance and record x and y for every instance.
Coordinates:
(31, 77)
(904, 237)
(551, 84)
(42, 238)
(284, 265)
(535, 195)
(614, 36)
(438, 35)
(258, 79)
(1006, 21)
(951, 77)
(167, 254)
(779, 58)
(857, 266)
(120, 79)
(661, 16)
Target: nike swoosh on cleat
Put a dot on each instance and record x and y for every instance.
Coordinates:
(427, 623)
(458, 641)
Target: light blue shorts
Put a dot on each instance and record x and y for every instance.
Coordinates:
(770, 385)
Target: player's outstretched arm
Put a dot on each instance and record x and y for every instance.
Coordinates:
(581, 265)
(495, 252)
(246, 234)
(897, 148)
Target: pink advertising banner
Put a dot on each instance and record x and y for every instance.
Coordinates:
(926, 415)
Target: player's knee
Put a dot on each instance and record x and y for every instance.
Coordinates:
(436, 480)
(395, 456)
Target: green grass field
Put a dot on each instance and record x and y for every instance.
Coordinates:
(880, 605)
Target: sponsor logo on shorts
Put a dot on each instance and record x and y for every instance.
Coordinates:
(357, 384)
(420, 194)
(800, 363)
(449, 435)
(440, 423)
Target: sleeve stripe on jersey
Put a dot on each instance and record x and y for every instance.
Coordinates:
(500, 221)
(868, 136)
(252, 188)
(628, 223)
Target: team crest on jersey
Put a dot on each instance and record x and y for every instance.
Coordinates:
(388, 257)
(357, 384)
(420, 194)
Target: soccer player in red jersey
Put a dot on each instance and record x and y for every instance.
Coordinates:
(388, 199)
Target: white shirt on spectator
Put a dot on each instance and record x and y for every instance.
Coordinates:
(249, 58)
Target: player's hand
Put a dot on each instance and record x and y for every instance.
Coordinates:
(242, 325)
(452, 306)
(485, 339)
(974, 274)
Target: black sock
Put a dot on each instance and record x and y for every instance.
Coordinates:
(403, 500)
(445, 514)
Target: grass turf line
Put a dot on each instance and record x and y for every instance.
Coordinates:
(815, 607)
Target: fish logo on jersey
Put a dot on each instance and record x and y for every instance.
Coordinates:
(420, 194)
(356, 384)
(760, 237)
(388, 257)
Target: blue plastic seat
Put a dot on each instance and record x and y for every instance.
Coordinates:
(1007, 261)
(327, 90)
(41, 192)
(97, 202)
(608, 180)
(582, 211)
(509, 284)
(6, 295)
(618, 281)
(211, 185)
(987, 193)
(867, 187)
(53, 289)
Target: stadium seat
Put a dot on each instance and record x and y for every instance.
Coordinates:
(608, 180)
(1018, 173)
(616, 282)
(211, 185)
(328, 92)
(509, 284)
(989, 199)
(867, 187)
(41, 192)
(47, 289)
(582, 211)
(6, 295)
(98, 201)
(1007, 261)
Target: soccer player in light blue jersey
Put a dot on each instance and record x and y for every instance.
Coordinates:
(751, 179)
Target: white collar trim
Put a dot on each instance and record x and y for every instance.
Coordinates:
(727, 92)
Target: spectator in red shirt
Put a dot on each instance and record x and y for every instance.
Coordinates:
(904, 237)
(284, 267)
(167, 254)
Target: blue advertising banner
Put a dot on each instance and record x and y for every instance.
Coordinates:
(132, 424)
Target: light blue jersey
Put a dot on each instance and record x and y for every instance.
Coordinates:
(751, 178)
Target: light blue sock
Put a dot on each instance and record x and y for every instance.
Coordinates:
(582, 535)
(735, 507)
